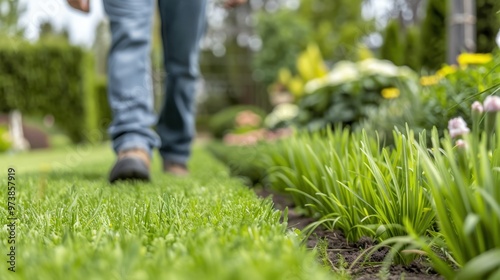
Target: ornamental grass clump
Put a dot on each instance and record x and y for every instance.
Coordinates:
(395, 185)
(462, 174)
(320, 172)
(350, 183)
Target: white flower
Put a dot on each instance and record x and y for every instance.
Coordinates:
(406, 72)
(281, 113)
(492, 104)
(457, 127)
(314, 85)
(374, 66)
(286, 111)
(343, 72)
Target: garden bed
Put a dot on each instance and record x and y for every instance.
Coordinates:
(340, 254)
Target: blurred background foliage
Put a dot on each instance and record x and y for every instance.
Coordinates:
(254, 55)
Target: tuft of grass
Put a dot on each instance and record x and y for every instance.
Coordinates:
(353, 184)
(74, 225)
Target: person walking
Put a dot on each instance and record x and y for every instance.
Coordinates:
(130, 92)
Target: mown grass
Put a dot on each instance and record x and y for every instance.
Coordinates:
(74, 225)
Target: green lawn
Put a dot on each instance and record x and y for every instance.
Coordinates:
(74, 225)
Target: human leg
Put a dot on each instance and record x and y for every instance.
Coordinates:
(183, 25)
(129, 81)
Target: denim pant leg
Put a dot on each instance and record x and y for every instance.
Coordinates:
(130, 91)
(183, 25)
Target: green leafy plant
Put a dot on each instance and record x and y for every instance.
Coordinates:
(449, 92)
(348, 93)
(454, 90)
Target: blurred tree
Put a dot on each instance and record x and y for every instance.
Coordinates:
(407, 12)
(10, 11)
(226, 60)
(284, 36)
(337, 26)
(487, 24)
(433, 35)
(412, 48)
(392, 48)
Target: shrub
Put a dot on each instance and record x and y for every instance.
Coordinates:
(224, 121)
(50, 77)
(392, 48)
(457, 88)
(283, 31)
(103, 109)
(413, 46)
(487, 25)
(448, 93)
(244, 162)
(350, 91)
(433, 35)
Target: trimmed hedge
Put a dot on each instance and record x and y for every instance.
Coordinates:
(51, 77)
(104, 111)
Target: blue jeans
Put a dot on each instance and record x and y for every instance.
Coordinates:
(130, 90)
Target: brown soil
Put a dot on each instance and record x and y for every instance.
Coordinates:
(338, 248)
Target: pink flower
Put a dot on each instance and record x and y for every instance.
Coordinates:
(248, 118)
(457, 127)
(477, 107)
(492, 104)
(461, 144)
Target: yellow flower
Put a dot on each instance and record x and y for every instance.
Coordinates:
(390, 93)
(284, 76)
(316, 59)
(474, 58)
(446, 70)
(310, 63)
(305, 67)
(430, 80)
(296, 86)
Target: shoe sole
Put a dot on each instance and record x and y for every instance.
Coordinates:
(128, 169)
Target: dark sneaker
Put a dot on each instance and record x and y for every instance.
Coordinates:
(176, 169)
(131, 165)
